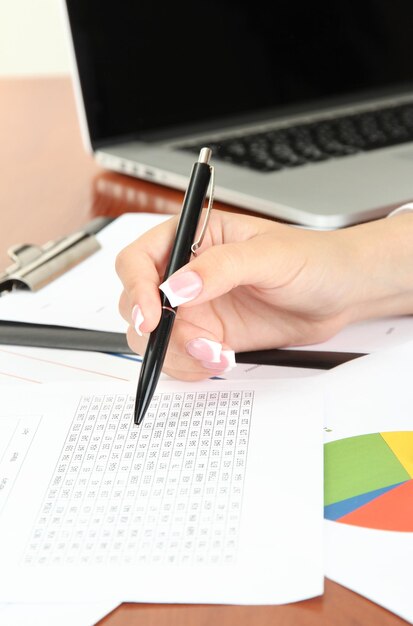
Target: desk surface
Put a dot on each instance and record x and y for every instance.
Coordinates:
(49, 185)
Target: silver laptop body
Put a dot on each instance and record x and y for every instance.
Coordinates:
(155, 82)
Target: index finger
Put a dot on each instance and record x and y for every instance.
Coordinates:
(140, 267)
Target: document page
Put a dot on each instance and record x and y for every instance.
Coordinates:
(216, 497)
(369, 477)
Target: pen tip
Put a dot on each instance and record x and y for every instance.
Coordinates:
(140, 409)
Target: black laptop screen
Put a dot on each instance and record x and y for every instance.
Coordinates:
(151, 66)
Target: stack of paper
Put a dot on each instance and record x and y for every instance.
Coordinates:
(86, 297)
(217, 497)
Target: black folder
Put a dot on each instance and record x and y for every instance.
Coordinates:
(68, 338)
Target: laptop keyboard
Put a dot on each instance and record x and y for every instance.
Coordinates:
(281, 148)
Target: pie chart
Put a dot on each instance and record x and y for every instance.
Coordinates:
(368, 481)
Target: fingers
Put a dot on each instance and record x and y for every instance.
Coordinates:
(194, 353)
(236, 251)
(139, 267)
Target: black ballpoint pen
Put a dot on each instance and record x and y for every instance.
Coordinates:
(181, 252)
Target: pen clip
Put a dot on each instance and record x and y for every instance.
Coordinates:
(198, 242)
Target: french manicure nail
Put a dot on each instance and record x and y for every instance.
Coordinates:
(225, 364)
(137, 318)
(204, 349)
(181, 288)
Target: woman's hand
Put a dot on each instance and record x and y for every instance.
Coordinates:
(254, 284)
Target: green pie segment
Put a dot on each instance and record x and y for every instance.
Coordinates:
(358, 465)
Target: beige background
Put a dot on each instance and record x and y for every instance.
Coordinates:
(33, 38)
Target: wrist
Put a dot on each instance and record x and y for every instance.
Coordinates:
(381, 257)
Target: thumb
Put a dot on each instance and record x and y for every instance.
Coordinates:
(221, 268)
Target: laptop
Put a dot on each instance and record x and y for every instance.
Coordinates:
(307, 107)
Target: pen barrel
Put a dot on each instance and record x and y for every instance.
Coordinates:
(181, 252)
(157, 346)
(152, 363)
(191, 210)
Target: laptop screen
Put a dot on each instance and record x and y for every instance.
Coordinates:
(149, 67)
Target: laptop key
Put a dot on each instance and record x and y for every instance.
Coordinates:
(310, 151)
(285, 154)
(406, 117)
(348, 133)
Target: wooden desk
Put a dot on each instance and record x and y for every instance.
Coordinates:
(49, 186)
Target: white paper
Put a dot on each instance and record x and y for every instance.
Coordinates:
(23, 365)
(87, 296)
(216, 498)
(373, 394)
(368, 336)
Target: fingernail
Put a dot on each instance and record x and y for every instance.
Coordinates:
(226, 362)
(137, 318)
(204, 349)
(230, 356)
(182, 287)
